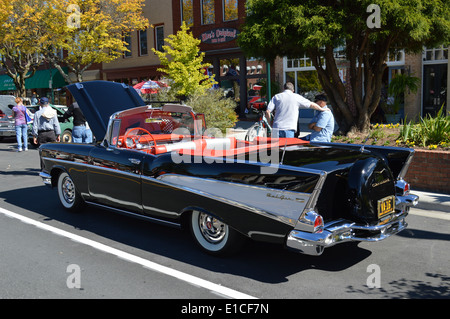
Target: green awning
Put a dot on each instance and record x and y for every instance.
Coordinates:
(42, 79)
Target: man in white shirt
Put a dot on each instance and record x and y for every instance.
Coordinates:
(286, 106)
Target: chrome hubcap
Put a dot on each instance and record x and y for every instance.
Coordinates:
(68, 190)
(212, 229)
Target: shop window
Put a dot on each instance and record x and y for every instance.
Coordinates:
(143, 48)
(435, 54)
(395, 57)
(230, 10)
(208, 11)
(127, 39)
(299, 64)
(187, 12)
(159, 38)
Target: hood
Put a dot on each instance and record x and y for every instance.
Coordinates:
(100, 99)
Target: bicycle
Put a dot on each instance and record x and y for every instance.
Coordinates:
(261, 128)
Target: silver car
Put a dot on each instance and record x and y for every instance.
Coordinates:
(7, 125)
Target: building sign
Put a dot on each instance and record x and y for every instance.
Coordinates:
(6, 83)
(219, 35)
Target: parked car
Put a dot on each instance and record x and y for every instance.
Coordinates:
(7, 123)
(257, 103)
(65, 125)
(154, 163)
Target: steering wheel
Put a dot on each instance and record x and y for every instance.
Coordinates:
(135, 138)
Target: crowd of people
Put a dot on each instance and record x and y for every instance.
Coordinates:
(46, 127)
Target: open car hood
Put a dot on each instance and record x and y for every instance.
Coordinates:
(100, 99)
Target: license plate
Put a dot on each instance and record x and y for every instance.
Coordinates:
(386, 206)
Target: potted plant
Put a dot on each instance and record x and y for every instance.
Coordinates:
(396, 90)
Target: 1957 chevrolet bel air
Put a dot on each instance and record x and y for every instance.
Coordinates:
(158, 164)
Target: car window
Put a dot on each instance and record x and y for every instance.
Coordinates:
(115, 133)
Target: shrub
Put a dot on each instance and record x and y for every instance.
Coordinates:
(428, 132)
(219, 111)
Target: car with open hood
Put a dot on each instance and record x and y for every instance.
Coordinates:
(159, 164)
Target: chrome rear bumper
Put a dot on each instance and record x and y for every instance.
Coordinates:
(334, 232)
(343, 231)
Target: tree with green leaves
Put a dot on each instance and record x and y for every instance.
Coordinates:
(366, 30)
(182, 62)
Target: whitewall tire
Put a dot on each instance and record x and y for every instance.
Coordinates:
(214, 236)
(68, 194)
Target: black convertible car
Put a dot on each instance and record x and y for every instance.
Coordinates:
(158, 164)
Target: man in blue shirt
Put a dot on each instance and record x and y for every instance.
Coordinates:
(321, 124)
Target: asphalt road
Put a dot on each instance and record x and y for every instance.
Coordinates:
(46, 252)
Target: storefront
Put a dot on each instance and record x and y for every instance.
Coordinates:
(43, 83)
(217, 25)
(240, 78)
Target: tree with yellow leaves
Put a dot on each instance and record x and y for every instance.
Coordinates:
(91, 31)
(23, 38)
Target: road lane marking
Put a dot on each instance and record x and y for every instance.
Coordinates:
(227, 292)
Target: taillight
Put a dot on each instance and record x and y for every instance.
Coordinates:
(310, 222)
(402, 187)
(318, 224)
(406, 189)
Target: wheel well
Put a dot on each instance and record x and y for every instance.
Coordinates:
(56, 171)
(185, 219)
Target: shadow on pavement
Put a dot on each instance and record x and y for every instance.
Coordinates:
(259, 261)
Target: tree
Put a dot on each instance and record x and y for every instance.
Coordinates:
(91, 31)
(183, 63)
(23, 38)
(366, 30)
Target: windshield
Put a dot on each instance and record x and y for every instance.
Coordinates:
(153, 124)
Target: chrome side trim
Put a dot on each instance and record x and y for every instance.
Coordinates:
(342, 231)
(93, 167)
(260, 200)
(136, 215)
(304, 221)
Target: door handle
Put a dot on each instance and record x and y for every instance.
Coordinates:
(134, 161)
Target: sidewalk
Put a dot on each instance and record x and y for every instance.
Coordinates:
(432, 201)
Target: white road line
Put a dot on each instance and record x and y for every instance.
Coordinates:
(227, 292)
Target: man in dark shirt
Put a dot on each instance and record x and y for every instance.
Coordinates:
(81, 132)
